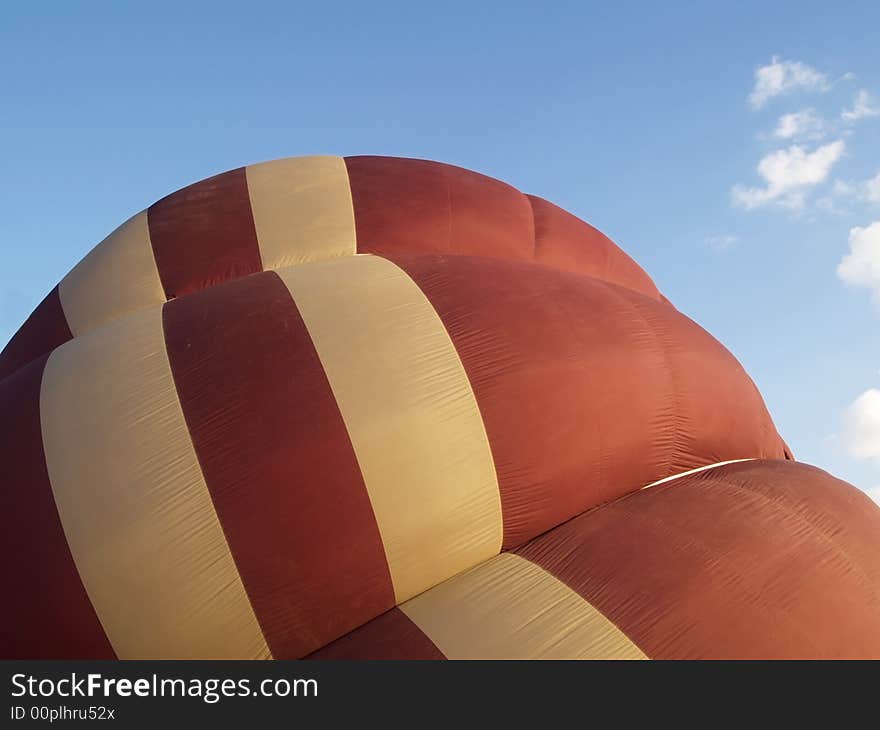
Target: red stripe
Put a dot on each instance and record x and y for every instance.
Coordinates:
(46, 612)
(41, 333)
(587, 390)
(418, 206)
(278, 462)
(566, 242)
(204, 234)
(770, 559)
(389, 636)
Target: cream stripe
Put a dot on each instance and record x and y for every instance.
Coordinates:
(302, 210)
(694, 471)
(410, 413)
(131, 496)
(510, 608)
(118, 276)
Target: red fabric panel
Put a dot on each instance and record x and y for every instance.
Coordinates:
(719, 413)
(765, 559)
(42, 332)
(46, 612)
(389, 636)
(587, 390)
(204, 234)
(278, 462)
(566, 242)
(419, 206)
(428, 207)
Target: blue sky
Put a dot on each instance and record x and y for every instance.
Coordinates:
(733, 149)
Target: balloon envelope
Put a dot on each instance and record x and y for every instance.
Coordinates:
(378, 407)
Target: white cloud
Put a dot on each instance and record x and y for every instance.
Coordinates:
(861, 266)
(864, 106)
(789, 174)
(805, 124)
(829, 204)
(867, 191)
(872, 189)
(874, 493)
(721, 243)
(783, 77)
(861, 422)
(843, 189)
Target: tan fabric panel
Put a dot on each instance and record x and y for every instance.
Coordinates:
(134, 505)
(410, 413)
(510, 608)
(302, 210)
(118, 276)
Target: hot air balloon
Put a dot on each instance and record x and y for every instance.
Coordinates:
(374, 407)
